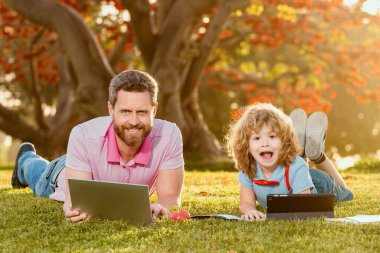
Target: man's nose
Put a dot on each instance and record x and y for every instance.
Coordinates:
(134, 119)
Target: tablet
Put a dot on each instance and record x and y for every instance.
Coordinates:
(300, 206)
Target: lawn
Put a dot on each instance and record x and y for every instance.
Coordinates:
(33, 224)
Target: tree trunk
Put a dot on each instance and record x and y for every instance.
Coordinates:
(168, 50)
(178, 65)
(199, 141)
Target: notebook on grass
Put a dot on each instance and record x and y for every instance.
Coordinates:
(217, 216)
(300, 206)
(113, 201)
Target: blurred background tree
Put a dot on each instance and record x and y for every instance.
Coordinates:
(210, 58)
(317, 55)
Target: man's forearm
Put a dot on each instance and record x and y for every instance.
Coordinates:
(169, 187)
(170, 201)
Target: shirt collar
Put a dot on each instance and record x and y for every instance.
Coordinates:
(113, 155)
(277, 174)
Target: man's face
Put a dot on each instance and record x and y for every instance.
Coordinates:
(133, 116)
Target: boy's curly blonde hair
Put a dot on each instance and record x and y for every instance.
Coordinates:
(252, 120)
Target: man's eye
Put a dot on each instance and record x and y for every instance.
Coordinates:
(143, 113)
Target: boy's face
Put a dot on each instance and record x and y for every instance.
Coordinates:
(265, 146)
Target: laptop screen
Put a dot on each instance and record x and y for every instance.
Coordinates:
(113, 201)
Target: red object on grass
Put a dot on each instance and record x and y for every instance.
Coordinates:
(204, 193)
(180, 215)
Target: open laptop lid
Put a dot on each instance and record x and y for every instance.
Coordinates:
(113, 201)
(300, 206)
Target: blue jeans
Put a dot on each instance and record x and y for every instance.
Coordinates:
(39, 174)
(325, 183)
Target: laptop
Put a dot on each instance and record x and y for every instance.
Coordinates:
(112, 201)
(300, 206)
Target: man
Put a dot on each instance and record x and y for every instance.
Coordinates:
(128, 146)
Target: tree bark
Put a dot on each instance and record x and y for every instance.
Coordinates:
(141, 25)
(200, 143)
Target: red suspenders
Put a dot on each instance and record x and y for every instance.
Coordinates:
(287, 178)
(270, 182)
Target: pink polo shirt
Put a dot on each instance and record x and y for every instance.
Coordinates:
(92, 148)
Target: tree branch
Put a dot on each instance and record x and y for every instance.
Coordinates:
(12, 124)
(38, 113)
(89, 62)
(64, 103)
(176, 32)
(177, 29)
(208, 43)
(117, 52)
(142, 28)
(164, 7)
(170, 59)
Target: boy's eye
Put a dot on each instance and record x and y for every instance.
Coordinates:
(272, 136)
(256, 138)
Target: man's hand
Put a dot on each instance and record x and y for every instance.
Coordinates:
(253, 214)
(70, 214)
(158, 210)
(74, 215)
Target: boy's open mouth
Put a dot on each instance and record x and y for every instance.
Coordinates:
(266, 154)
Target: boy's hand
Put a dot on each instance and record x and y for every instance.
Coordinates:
(253, 215)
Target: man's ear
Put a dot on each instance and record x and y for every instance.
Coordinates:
(110, 108)
(155, 108)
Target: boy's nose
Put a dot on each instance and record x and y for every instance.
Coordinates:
(264, 143)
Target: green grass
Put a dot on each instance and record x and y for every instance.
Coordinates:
(33, 224)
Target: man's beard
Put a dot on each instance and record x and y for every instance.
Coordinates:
(132, 141)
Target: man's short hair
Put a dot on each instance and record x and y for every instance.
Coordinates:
(133, 80)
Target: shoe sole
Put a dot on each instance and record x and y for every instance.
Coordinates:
(315, 135)
(299, 119)
(15, 182)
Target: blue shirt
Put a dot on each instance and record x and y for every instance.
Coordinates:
(299, 178)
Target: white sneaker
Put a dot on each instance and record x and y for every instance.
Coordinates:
(299, 119)
(315, 135)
